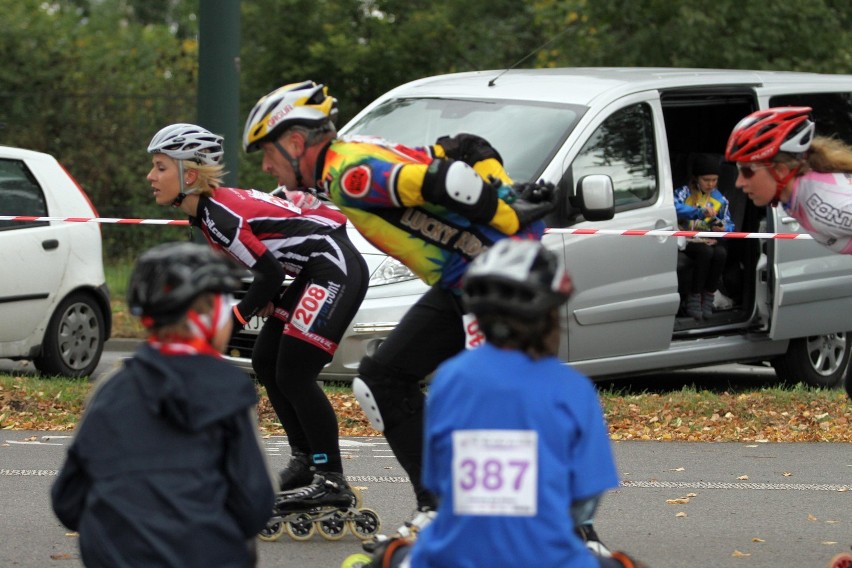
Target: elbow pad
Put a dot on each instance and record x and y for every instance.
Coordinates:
(456, 186)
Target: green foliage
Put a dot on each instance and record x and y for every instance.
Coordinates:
(91, 81)
(90, 84)
(784, 35)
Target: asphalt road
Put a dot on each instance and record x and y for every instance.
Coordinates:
(749, 505)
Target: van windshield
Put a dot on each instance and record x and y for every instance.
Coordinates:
(526, 134)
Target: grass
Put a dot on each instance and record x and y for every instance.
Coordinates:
(124, 324)
(768, 414)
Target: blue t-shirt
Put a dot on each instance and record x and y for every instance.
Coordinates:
(510, 443)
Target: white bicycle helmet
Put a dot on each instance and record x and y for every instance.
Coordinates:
(515, 277)
(306, 103)
(188, 142)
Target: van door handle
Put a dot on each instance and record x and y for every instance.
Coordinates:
(50, 244)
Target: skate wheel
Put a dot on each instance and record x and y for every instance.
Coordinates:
(301, 528)
(356, 561)
(333, 527)
(359, 498)
(366, 524)
(272, 531)
(842, 560)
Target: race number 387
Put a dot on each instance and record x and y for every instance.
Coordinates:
(495, 472)
(309, 307)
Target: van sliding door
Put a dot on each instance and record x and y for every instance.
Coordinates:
(625, 297)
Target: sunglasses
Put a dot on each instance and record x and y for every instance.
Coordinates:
(748, 170)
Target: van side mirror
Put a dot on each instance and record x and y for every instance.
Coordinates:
(595, 197)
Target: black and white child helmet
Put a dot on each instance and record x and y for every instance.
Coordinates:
(169, 277)
(516, 278)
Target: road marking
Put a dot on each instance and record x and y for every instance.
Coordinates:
(25, 472)
(726, 485)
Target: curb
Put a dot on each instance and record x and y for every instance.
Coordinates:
(122, 344)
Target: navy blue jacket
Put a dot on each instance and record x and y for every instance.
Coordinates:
(166, 467)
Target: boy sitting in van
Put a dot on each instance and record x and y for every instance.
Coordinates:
(700, 206)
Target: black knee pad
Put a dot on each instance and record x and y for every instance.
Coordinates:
(386, 397)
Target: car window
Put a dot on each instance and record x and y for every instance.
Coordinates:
(623, 148)
(20, 194)
(832, 111)
(526, 134)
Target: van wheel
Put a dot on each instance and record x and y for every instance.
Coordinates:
(74, 339)
(819, 360)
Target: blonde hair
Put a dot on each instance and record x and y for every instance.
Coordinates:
(209, 176)
(826, 155)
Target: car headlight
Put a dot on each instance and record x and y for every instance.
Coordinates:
(390, 271)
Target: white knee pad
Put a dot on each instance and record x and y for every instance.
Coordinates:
(463, 184)
(365, 398)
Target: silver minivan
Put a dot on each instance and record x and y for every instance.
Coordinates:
(617, 142)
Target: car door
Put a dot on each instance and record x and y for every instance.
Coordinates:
(626, 297)
(811, 285)
(30, 255)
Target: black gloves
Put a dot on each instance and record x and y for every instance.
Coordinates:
(535, 200)
(468, 148)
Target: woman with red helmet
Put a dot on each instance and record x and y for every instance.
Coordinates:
(780, 160)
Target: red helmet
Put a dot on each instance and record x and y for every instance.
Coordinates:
(762, 134)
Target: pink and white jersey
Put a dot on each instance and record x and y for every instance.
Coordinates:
(822, 203)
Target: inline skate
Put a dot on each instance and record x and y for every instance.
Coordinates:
(328, 506)
(408, 531)
(842, 560)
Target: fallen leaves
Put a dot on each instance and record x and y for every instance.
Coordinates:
(678, 501)
(769, 415)
(772, 415)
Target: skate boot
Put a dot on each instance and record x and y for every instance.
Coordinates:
(391, 552)
(298, 472)
(408, 531)
(326, 489)
(593, 542)
(327, 505)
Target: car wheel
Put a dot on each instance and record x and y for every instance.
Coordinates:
(74, 339)
(819, 360)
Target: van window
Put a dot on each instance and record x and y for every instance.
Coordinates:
(527, 134)
(20, 194)
(832, 111)
(623, 148)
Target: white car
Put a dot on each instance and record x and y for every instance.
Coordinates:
(54, 302)
(392, 290)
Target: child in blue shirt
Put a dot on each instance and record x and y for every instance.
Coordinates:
(516, 447)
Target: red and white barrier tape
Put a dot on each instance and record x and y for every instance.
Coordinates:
(688, 234)
(616, 232)
(96, 220)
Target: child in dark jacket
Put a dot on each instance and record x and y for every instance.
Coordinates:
(166, 467)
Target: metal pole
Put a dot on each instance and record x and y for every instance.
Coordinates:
(219, 77)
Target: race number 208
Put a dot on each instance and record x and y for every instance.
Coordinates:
(310, 304)
(495, 472)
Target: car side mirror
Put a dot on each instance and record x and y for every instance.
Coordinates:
(595, 197)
